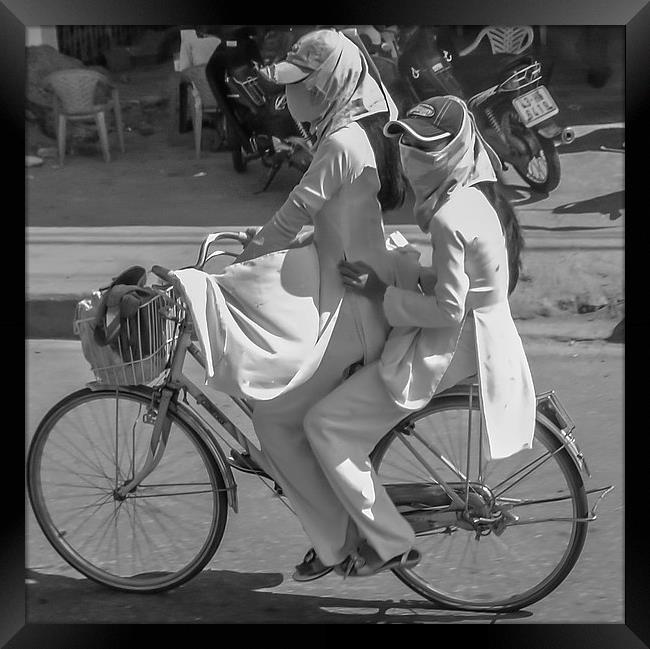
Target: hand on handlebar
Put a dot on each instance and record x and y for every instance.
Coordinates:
(250, 235)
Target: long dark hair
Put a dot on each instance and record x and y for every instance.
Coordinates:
(511, 228)
(392, 191)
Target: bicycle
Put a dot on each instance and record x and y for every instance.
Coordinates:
(114, 466)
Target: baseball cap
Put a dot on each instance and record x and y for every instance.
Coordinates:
(430, 120)
(308, 53)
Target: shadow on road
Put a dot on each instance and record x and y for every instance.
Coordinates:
(521, 195)
(225, 596)
(566, 228)
(610, 204)
(610, 138)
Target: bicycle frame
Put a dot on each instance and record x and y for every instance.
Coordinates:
(550, 414)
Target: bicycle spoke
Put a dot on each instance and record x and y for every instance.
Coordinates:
(105, 525)
(67, 470)
(85, 485)
(134, 538)
(155, 508)
(150, 540)
(424, 466)
(86, 495)
(444, 457)
(79, 459)
(98, 504)
(172, 494)
(157, 520)
(529, 468)
(97, 426)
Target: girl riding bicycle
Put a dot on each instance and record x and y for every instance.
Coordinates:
(353, 177)
(454, 323)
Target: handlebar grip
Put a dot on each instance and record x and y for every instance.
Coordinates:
(246, 236)
(162, 272)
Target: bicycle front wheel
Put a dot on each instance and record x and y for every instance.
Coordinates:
(154, 538)
(532, 504)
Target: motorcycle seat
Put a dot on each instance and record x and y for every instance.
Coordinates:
(477, 73)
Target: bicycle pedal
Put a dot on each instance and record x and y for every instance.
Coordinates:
(243, 462)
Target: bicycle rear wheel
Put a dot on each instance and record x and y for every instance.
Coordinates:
(535, 499)
(158, 536)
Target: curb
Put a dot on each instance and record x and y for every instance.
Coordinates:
(605, 238)
(50, 317)
(49, 313)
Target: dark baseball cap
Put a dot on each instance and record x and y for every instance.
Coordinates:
(430, 120)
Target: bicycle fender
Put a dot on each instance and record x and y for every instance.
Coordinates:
(552, 414)
(568, 441)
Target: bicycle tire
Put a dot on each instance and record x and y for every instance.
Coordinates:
(447, 598)
(44, 500)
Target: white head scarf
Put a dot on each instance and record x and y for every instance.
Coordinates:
(435, 175)
(339, 91)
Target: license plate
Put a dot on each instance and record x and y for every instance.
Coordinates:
(535, 106)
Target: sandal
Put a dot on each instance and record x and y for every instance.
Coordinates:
(311, 568)
(357, 565)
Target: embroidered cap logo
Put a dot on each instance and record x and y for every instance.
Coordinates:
(422, 110)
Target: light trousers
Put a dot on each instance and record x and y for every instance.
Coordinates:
(345, 426)
(324, 470)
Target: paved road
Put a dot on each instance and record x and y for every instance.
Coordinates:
(154, 184)
(249, 580)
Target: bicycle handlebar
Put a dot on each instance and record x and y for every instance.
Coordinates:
(242, 237)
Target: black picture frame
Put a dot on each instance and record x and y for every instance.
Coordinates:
(634, 15)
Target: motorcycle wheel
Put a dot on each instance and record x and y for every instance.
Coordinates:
(237, 152)
(540, 171)
(239, 161)
(221, 132)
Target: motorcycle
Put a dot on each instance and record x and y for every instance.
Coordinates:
(506, 93)
(258, 123)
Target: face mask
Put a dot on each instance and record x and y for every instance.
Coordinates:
(425, 170)
(303, 104)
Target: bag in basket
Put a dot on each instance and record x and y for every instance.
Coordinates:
(84, 327)
(122, 323)
(122, 331)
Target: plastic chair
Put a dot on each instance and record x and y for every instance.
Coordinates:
(202, 100)
(82, 95)
(194, 49)
(503, 40)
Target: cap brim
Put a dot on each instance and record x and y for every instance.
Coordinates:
(418, 128)
(284, 73)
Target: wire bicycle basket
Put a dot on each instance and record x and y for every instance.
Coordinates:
(139, 354)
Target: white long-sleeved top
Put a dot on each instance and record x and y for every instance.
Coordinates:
(338, 195)
(463, 324)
